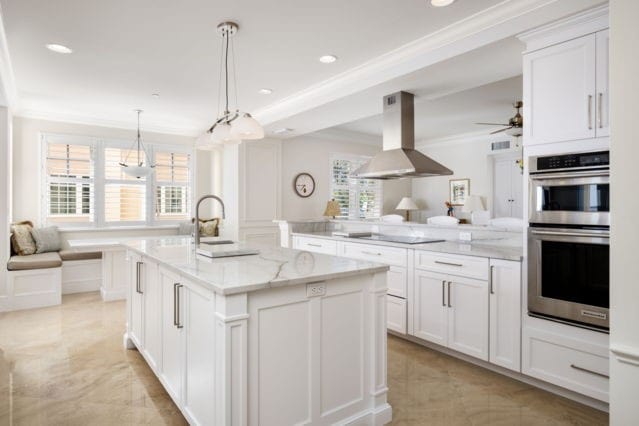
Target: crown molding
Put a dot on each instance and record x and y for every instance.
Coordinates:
(8, 90)
(149, 126)
(485, 27)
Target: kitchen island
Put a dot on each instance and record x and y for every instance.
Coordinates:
(283, 337)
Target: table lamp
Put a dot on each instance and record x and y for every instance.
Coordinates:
(332, 209)
(407, 204)
(473, 203)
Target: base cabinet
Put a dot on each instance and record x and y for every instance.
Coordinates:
(451, 311)
(152, 297)
(396, 314)
(136, 302)
(505, 314)
(172, 334)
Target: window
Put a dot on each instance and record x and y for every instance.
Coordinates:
(358, 198)
(84, 184)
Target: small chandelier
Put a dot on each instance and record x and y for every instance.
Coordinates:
(138, 170)
(232, 126)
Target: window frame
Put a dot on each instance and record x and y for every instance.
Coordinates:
(353, 185)
(98, 146)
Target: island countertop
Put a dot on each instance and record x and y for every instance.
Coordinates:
(272, 267)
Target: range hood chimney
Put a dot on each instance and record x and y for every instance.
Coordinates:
(399, 159)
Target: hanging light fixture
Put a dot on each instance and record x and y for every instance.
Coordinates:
(231, 127)
(139, 170)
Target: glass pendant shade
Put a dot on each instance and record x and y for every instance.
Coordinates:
(137, 171)
(222, 134)
(246, 127)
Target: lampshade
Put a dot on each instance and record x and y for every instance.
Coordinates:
(246, 127)
(332, 209)
(137, 171)
(222, 134)
(204, 143)
(407, 203)
(473, 204)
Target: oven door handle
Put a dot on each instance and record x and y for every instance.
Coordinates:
(589, 173)
(571, 234)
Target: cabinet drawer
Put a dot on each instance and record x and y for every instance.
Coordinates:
(317, 245)
(396, 279)
(396, 314)
(466, 266)
(382, 254)
(576, 365)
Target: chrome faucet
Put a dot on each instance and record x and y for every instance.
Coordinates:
(197, 216)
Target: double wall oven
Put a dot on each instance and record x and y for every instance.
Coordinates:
(568, 238)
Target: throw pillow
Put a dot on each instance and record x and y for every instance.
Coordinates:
(208, 227)
(47, 239)
(22, 242)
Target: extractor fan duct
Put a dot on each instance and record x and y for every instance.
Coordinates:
(399, 159)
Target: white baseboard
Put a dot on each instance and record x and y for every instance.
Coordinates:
(109, 294)
(81, 286)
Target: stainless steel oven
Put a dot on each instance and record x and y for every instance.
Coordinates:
(570, 189)
(568, 238)
(568, 274)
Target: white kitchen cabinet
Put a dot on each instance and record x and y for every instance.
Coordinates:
(396, 281)
(566, 90)
(467, 301)
(396, 314)
(152, 313)
(136, 302)
(199, 334)
(316, 245)
(172, 333)
(505, 314)
(508, 186)
(430, 311)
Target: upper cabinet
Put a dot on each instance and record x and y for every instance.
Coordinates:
(566, 81)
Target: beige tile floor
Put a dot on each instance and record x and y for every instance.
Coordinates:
(65, 365)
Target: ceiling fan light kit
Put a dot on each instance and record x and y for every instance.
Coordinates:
(139, 170)
(232, 126)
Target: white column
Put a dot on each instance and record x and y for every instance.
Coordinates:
(5, 200)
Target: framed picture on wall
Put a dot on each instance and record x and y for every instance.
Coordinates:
(459, 190)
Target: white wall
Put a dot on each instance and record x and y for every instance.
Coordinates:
(624, 267)
(5, 197)
(468, 157)
(311, 154)
(27, 155)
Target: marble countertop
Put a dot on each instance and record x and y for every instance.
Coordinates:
(490, 248)
(273, 267)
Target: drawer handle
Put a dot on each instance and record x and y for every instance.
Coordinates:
(313, 245)
(492, 285)
(443, 293)
(576, 367)
(448, 263)
(450, 305)
(138, 273)
(372, 253)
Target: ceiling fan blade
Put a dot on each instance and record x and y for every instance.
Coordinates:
(493, 124)
(501, 130)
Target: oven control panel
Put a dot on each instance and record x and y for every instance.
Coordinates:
(600, 159)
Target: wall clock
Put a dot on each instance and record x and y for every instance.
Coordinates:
(304, 185)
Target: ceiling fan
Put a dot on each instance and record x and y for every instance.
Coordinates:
(515, 123)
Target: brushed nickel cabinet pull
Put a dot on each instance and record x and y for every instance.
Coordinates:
(576, 367)
(443, 293)
(179, 324)
(175, 298)
(448, 263)
(600, 112)
(450, 305)
(589, 112)
(372, 253)
(314, 245)
(138, 273)
(492, 287)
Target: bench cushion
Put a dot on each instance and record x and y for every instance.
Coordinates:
(67, 255)
(34, 261)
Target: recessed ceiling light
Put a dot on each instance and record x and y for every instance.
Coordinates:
(282, 130)
(328, 59)
(58, 48)
(441, 3)
(155, 95)
(265, 91)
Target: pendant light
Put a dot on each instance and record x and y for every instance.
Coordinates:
(231, 127)
(139, 170)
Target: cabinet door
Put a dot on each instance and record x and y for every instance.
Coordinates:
(505, 314)
(152, 314)
(559, 92)
(172, 335)
(396, 314)
(603, 104)
(430, 313)
(468, 316)
(517, 191)
(199, 330)
(396, 279)
(502, 187)
(136, 301)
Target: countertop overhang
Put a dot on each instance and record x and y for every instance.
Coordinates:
(273, 267)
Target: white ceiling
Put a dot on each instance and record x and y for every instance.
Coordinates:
(454, 114)
(126, 50)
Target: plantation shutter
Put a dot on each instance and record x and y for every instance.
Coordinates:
(357, 198)
(69, 183)
(172, 186)
(124, 196)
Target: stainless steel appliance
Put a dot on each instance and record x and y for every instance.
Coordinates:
(569, 238)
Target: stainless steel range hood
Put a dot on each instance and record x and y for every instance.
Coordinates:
(399, 158)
